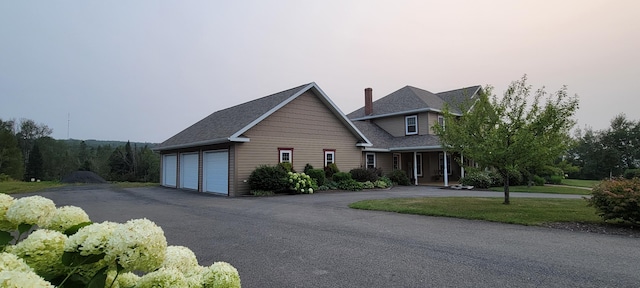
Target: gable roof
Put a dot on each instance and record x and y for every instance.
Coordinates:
(410, 99)
(229, 124)
(385, 142)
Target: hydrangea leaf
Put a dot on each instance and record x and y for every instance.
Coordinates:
(73, 259)
(24, 227)
(74, 229)
(98, 279)
(5, 238)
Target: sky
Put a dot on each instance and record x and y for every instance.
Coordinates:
(145, 70)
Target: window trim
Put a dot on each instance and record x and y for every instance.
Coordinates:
(419, 169)
(281, 151)
(441, 164)
(441, 121)
(406, 124)
(399, 162)
(331, 152)
(366, 160)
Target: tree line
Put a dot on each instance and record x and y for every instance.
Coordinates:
(28, 152)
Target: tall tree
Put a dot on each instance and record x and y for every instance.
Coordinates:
(35, 165)
(513, 134)
(10, 155)
(30, 131)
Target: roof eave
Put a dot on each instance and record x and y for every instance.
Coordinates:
(402, 113)
(202, 143)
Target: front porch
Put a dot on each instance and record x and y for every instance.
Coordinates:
(429, 168)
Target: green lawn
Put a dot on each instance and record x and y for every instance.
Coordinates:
(524, 211)
(580, 183)
(545, 189)
(13, 187)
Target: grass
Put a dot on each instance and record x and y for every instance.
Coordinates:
(545, 189)
(580, 183)
(524, 211)
(14, 187)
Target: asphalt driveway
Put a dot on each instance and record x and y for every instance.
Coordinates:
(317, 241)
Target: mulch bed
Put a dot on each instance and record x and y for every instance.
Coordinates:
(608, 229)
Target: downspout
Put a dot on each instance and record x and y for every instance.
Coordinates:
(461, 166)
(446, 175)
(415, 168)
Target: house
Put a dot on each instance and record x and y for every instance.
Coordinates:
(400, 127)
(300, 125)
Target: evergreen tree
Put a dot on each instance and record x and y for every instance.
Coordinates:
(11, 163)
(35, 165)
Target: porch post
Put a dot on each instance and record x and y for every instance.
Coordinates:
(461, 166)
(415, 168)
(446, 175)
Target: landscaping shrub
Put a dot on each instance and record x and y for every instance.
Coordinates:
(628, 174)
(5, 177)
(477, 179)
(617, 199)
(329, 185)
(496, 179)
(399, 177)
(341, 176)
(364, 175)
(318, 175)
(349, 184)
(307, 168)
(331, 169)
(368, 185)
(383, 182)
(555, 179)
(538, 181)
(301, 183)
(288, 167)
(269, 178)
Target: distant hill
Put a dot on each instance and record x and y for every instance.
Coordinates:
(96, 143)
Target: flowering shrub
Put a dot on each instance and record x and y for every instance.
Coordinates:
(617, 199)
(94, 254)
(301, 183)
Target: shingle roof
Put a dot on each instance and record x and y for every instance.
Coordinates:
(383, 140)
(228, 124)
(410, 99)
(404, 101)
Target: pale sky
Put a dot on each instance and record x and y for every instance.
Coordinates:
(145, 70)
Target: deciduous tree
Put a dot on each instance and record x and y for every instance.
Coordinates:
(511, 134)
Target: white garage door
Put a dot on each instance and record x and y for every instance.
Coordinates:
(216, 172)
(169, 170)
(189, 171)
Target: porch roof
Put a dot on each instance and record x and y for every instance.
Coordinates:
(383, 141)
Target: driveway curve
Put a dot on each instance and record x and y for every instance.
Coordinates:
(317, 241)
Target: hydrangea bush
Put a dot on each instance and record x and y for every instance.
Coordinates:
(63, 248)
(301, 183)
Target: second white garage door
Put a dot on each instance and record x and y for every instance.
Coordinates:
(189, 171)
(216, 172)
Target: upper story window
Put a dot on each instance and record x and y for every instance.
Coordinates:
(286, 155)
(329, 157)
(411, 125)
(441, 121)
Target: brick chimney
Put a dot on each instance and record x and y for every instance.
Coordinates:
(368, 101)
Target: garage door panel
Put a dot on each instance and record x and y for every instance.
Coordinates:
(169, 170)
(216, 172)
(189, 171)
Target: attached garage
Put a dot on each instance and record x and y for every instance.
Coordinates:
(189, 171)
(169, 169)
(216, 171)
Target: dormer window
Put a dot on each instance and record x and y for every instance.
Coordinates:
(411, 125)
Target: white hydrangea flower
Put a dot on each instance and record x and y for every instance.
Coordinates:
(163, 277)
(181, 258)
(42, 251)
(138, 244)
(21, 279)
(92, 239)
(66, 217)
(31, 210)
(221, 275)
(124, 280)
(5, 203)
(11, 262)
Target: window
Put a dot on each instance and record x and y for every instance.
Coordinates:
(441, 161)
(286, 155)
(419, 164)
(411, 125)
(396, 161)
(441, 121)
(371, 160)
(329, 157)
